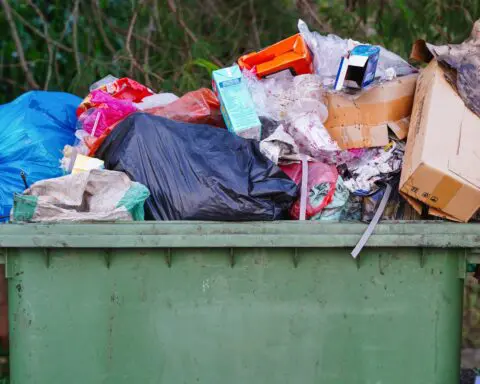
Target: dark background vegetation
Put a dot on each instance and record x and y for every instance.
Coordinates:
(172, 45)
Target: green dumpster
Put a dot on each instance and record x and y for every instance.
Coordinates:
(235, 303)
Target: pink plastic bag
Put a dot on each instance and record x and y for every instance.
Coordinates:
(319, 174)
(105, 111)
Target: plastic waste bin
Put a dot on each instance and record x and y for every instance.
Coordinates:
(282, 302)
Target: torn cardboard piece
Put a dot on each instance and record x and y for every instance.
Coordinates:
(363, 120)
(440, 167)
(463, 62)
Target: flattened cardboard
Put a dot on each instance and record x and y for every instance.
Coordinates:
(442, 154)
(441, 214)
(363, 120)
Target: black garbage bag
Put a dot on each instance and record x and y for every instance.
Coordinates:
(197, 172)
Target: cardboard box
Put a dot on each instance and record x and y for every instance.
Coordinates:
(363, 120)
(236, 103)
(441, 167)
(357, 70)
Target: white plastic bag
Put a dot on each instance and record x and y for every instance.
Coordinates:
(103, 81)
(156, 100)
(328, 51)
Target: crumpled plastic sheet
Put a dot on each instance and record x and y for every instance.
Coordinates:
(272, 96)
(35, 128)
(298, 102)
(328, 51)
(280, 146)
(104, 110)
(120, 89)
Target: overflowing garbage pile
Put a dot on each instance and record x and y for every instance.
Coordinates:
(310, 128)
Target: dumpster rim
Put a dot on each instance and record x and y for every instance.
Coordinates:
(181, 234)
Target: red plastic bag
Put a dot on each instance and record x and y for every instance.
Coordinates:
(121, 89)
(198, 107)
(105, 111)
(319, 175)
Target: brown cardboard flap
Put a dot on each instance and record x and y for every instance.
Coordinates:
(420, 52)
(359, 136)
(400, 127)
(371, 113)
(438, 213)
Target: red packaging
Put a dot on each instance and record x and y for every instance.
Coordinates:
(121, 89)
(318, 173)
(198, 107)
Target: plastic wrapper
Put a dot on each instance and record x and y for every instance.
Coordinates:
(104, 111)
(35, 128)
(321, 182)
(199, 107)
(121, 89)
(328, 51)
(338, 208)
(102, 82)
(306, 127)
(157, 100)
(298, 102)
(96, 195)
(280, 146)
(197, 172)
(70, 154)
(275, 97)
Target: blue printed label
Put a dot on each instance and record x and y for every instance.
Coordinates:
(229, 83)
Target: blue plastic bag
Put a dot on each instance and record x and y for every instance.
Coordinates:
(34, 128)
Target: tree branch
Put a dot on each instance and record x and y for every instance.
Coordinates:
(146, 57)
(254, 25)
(49, 47)
(188, 31)
(98, 22)
(18, 44)
(38, 32)
(76, 53)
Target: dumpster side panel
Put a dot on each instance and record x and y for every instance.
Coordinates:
(235, 316)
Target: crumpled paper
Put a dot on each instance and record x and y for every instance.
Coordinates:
(363, 173)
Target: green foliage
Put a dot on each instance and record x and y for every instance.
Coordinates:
(173, 45)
